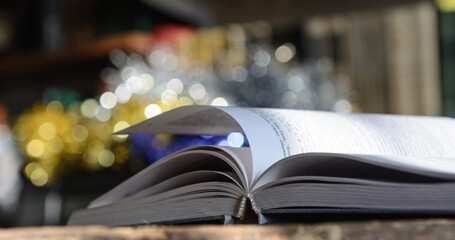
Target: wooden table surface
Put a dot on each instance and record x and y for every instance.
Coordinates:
(404, 229)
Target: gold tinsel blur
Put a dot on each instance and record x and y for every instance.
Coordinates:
(59, 141)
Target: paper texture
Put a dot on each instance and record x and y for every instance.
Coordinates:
(274, 134)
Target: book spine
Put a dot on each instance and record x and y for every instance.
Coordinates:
(253, 204)
(241, 211)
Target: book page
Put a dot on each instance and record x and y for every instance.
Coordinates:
(274, 134)
(361, 166)
(192, 159)
(188, 120)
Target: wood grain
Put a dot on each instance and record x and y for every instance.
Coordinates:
(407, 229)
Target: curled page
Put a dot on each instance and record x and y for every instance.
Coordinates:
(274, 134)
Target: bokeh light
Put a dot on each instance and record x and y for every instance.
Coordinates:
(120, 126)
(47, 130)
(176, 85)
(102, 114)
(220, 101)
(169, 97)
(235, 139)
(39, 177)
(106, 158)
(152, 110)
(88, 108)
(108, 100)
(35, 148)
(197, 91)
(122, 93)
(80, 133)
(285, 52)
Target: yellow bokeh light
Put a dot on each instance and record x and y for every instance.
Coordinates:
(185, 101)
(90, 156)
(35, 148)
(47, 131)
(30, 168)
(106, 158)
(80, 133)
(55, 108)
(120, 126)
(39, 177)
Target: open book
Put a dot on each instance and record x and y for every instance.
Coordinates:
(299, 163)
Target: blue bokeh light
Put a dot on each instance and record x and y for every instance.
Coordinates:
(223, 143)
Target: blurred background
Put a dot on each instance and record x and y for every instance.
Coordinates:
(74, 71)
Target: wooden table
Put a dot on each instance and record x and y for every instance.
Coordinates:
(404, 229)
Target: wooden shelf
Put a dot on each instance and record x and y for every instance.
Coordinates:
(22, 64)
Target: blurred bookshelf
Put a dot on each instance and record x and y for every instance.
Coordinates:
(22, 64)
(66, 44)
(391, 56)
(71, 49)
(76, 67)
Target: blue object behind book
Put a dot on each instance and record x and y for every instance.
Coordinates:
(151, 147)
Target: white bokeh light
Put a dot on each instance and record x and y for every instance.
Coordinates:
(197, 91)
(122, 93)
(134, 84)
(285, 52)
(152, 110)
(128, 72)
(176, 85)
(147, 83)
(88, 108)
(235, 139)
(103, 114)
(108, 100)
(219, 101)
